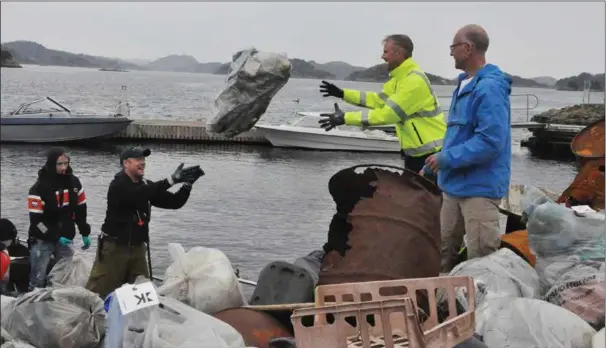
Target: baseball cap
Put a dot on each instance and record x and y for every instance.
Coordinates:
(134, 152)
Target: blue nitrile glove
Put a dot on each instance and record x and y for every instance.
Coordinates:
(427, 172)
(64, 241)
(86, 241)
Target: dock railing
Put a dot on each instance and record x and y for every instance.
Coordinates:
(519, 102)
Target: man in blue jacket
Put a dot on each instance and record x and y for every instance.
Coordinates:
(474, 165)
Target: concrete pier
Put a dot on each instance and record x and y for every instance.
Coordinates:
(183, 131)
(546, 140)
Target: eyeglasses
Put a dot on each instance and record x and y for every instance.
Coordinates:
(457, 44)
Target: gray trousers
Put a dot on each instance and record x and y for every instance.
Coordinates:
(475, 217)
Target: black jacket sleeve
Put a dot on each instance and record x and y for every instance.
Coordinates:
(38, 209)
(81, 210)
(169, 200)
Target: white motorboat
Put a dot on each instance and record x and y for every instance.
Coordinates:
(58, 124)
(306, 133)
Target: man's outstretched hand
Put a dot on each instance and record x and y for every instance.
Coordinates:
(329, 90)
(332, 120)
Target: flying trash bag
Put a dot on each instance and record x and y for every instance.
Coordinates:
(254, 79)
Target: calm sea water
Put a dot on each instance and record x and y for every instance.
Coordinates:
(257, 204)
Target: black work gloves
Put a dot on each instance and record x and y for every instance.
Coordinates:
(189, 174)
(330, 121)
(329, 90)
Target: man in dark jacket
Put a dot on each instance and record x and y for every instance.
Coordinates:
(125, 232)
(57, 204)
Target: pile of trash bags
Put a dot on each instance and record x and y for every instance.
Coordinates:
(199, 283)
(255, 78)
(557, 303)
(557, 300)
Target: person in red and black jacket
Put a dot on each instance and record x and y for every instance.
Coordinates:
(57, 204)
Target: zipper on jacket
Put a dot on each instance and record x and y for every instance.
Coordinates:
(416, 131)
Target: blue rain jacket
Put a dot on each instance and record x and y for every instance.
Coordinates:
(476, 158)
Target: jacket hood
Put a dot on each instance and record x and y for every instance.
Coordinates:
(493, 72)
(49, 168)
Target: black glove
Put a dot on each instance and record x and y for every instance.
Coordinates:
(329, 90)
(330, 121)
(195, 175)
(186, 174)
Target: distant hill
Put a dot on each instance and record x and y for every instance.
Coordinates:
(28, 52)
(182, 63)
(379, 73)
(576, 83)
(300, 69)
(518, 81)
(545, 80)
(7, 61)
(339, 69)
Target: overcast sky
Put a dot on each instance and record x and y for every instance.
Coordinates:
(529, 39)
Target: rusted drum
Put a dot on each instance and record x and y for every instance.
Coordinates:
(589, 143)
(387, 226)
(256, 327)
(587, 188)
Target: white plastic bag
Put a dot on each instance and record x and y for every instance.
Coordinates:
(555, 230)
(176, 325)
(70, 271)
(16, 344)
(6, 305)
(500, 274)
(67, 317)
(530, 323)
(125, 331)
(255, 78)
(202, 278)
(580, 289)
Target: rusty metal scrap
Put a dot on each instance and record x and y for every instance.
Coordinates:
(387, 226)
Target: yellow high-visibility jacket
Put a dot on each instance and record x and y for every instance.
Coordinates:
(409, 102)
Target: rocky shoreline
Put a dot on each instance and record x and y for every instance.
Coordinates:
(580, 114)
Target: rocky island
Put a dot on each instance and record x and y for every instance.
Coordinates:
(580, 114)
(7, 61)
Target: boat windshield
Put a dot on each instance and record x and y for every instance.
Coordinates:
(39, 106)
(312, 122)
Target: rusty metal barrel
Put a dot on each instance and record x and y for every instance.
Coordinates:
(387, 226)
(589, 143)
(587, 187)
(256, 327)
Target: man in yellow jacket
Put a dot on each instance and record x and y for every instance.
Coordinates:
(407, 100)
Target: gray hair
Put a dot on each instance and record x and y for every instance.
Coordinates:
(402, 41)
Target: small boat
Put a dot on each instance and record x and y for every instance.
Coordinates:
(58, 124)
(306, 133)
(113, 69)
